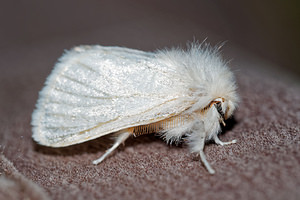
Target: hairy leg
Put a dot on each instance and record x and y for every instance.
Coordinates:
(219, 142)
(119, 140)
(203, 158)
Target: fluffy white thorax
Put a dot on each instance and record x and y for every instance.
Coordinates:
(205, 74)
(205, 77)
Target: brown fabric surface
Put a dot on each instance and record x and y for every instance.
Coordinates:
(14, 185)
(264, 164)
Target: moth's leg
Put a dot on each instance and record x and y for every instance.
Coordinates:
(119, 140)
(197, 141)
(203, 157)
(218, 141)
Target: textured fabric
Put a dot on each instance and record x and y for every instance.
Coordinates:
(264, 164)
(14, 185)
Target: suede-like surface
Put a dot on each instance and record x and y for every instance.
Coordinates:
(263, 164)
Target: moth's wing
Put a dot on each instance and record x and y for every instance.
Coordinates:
(94, 91)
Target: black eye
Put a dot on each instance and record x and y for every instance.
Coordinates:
(219, 109)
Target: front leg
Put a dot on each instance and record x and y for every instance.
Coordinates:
(197, 142)
(203, 157)
(219, 142)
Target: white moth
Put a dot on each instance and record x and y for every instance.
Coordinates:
(94, 91)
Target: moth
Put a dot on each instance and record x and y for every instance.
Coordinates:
(95, 91)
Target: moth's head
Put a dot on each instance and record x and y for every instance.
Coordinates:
(224, 107)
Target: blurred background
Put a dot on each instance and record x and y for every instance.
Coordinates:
(267, 29)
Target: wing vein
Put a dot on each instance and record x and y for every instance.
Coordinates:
(79, 95)
(84, 84)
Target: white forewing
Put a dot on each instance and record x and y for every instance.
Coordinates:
(95, 90)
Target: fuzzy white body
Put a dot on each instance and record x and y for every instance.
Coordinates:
(94, 91)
